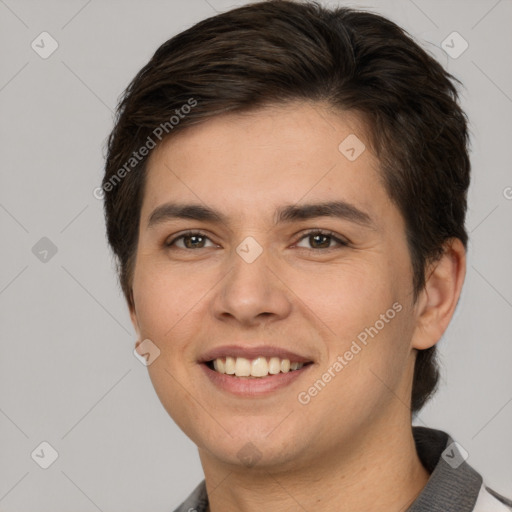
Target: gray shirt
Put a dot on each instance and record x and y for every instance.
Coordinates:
(453, 486)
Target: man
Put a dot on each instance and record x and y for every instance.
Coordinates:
(285, 192)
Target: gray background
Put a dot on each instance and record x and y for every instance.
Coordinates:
(68, 375)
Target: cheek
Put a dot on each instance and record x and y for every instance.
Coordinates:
(367, 369)
(348, 296)
(162, 300)
(367, 317)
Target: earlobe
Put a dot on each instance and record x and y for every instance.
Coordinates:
(438, 299)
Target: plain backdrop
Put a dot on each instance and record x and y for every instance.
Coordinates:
(68, 375)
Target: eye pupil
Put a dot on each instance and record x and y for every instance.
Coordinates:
(318, 237)
(190, 239)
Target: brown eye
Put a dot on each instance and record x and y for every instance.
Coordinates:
(189, 241)
(322, 240)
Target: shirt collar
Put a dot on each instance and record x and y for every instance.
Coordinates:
(453, 485)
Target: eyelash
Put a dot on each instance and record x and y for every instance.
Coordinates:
(330, 234)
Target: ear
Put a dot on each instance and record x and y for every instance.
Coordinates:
(437, 301)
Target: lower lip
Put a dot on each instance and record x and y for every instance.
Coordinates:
(251, 387)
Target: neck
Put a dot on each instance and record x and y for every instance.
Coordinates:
(377, 469)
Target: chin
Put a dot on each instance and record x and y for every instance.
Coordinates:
(258, 446)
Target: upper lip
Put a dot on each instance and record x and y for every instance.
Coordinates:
(252, 353)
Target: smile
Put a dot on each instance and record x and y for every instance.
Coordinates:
(258, 367)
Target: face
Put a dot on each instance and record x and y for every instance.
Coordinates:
(262, 242)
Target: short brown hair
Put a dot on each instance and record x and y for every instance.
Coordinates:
(278, 51)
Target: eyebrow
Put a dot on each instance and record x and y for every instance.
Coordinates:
(284, 214)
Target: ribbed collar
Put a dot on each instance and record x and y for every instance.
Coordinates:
(453, 485)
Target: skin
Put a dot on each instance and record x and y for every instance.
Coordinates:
(351, 446)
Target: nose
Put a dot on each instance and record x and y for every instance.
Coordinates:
(251, 293)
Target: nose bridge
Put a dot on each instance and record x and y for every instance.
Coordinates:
(251, 289)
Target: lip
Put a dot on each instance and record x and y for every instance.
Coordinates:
(253, 353)
(252, 387)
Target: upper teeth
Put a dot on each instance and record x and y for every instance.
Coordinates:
(259, 367)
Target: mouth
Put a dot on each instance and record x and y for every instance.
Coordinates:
(257, 368)
(253, 371)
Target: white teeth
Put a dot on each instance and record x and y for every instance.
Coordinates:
(242, 367)
(259, 367)
(274, 365)
(221, 366)
(229, 366)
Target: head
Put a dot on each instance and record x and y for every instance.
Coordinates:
(254, 110)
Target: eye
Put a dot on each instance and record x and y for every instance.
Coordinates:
(319, 239)
(189, 240)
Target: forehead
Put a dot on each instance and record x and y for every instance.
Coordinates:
(290, 153)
